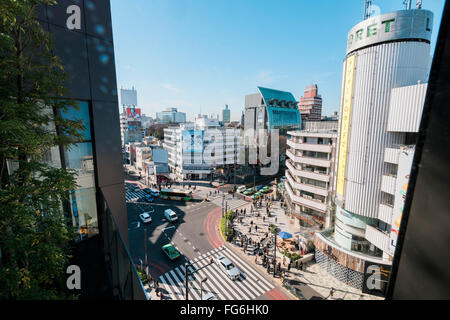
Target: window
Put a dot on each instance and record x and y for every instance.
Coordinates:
(80, 158)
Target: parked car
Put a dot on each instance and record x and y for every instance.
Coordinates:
(147, 190)
(249, 192)
(154, 192)
(136, 188)
(170, 215)
(228, 267)
(257, 195)
(145, 217)
(283, 178)
(148, 198)
(259, 187)
(170, 251)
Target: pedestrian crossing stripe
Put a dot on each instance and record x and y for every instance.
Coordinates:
(250, 286)
(231, 204)
(131, 195)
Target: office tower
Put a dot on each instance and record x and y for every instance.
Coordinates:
(170, 115)
(226, 115)
(310, 105)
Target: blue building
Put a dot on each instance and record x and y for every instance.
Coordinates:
(271, 109)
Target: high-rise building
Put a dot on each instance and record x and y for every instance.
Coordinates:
(388, 57)
(97, 207)
(226, 115)
(170, 115)
(310, 104)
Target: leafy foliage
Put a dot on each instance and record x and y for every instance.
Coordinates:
(35, 232)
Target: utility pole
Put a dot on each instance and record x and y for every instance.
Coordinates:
(223, 194)
(201, 286)
(226, 222)
(186, 272)
(145, 246)
(274, 251)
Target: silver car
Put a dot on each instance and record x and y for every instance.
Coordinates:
(228, 267)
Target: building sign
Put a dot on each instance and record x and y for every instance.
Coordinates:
(404, 169)
(133, 113)
(192, 141)
(404, 24)
(376, 278)
(347, 103)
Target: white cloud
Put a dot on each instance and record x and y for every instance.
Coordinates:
(268, 77)
(170, 87)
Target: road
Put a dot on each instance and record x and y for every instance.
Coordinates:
(197, 237)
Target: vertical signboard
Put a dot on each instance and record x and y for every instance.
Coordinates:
(376, 278)
(347, 102)
(192, 141)
(404, 168)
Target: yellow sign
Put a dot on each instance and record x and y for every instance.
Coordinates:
(345, 123)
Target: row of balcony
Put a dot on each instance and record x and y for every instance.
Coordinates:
(308, 160)
(307, 174)
(325, 148)
(306, 187)
(309, 203)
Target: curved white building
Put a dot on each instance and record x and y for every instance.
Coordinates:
(383, 52)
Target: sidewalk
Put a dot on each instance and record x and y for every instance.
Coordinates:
(310, 283)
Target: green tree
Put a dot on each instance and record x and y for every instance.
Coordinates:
(35, 232)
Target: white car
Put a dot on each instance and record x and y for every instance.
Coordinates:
(145, 217)
(241, 188)
(170, 215)
(136, 189)
(228, 267)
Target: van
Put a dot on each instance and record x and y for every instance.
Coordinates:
(170, 215)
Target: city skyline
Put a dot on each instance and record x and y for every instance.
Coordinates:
(199, 70)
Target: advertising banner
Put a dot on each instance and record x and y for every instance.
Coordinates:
(192, 141)
(345, 124)
(133, 113)
(404, 168)
(376, 278)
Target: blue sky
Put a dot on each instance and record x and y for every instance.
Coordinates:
(198, 55)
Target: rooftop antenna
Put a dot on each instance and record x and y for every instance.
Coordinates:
(419, 4)
(367, 9)
(407, 3)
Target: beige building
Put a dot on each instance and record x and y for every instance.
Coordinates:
(310, 175)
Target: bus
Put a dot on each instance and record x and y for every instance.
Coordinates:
(181, 195)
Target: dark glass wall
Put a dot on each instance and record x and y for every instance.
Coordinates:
(87, 54)
(421, 266)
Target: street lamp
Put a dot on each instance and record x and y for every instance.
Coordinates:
(201, 286)
(186, 273)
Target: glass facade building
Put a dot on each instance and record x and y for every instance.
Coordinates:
(97, 206)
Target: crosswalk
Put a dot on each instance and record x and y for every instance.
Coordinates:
(250, 285)
(131, 195)
(231, 204)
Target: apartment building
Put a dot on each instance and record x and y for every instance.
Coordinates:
(310, 174)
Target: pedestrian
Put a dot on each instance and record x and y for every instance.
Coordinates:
(264, 218)
(157, 291)
(251, 222)
(284, 260)
(276, 219)
(256, 259)
(289, 266)
(250, 229)
(301, 265)
(256, 228)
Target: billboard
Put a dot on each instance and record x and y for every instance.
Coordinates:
(376, 278)
(192, 141)
(347, 103)
(133, 113)
(401, 186)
